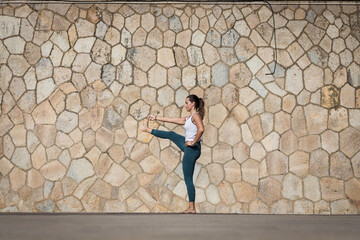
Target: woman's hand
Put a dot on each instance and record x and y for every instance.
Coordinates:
(151, 117)
(189, 143)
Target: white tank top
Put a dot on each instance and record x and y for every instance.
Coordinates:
(190, 129)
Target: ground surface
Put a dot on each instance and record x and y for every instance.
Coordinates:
(177, 226)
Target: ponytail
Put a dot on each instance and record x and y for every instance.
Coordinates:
(199, 104)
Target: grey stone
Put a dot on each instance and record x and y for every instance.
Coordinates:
(108, 74)
(318, 56)
(126, 38)
(310, 16)
(9, 26)
(230, 38)
(279, 70)
(80, 169)
(220, 74)
(228, 56)
(4, 53)
(354, 75)
(21, 158)
(61, 39)
(101, 29)
(112, 119)
(142, 57)
(258, 87)
(101, 52)
(44, 68)
(88, 97)
(195, 55)
(44, 89)
(125, 73)
(48, 185)
(45, 206)
(66, 121)
(18, 64)
(175, 24)
(213, 37)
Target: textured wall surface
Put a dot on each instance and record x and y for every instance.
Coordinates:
(77, 81)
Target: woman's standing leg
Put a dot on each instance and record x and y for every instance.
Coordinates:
(191, 154)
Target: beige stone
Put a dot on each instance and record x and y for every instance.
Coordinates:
(255, 127)
(116, 175)
(34, 179)
(343, 207)
(101, 189)
(18, 135)
(211, 55)
(17, 178)
(230, 132)
(312, 188)
(316, 118)
(298, 122)
(232, 171)
(292, 187)
(216, 173)
(244, 49)
(347, 96)
(282, 206)
(332, 188)
(309, 143)
(282, 122)
(271, 142)
(53, 170)
(5, 166)
(44, 114)
(258, 206)
(244, 192)
(250, 171)
(340, 166)
(240, 113)
(349, 141)
(269, 190)
(170, 159)
(289, 142)
(222, 153)
(257, 151)
(303, 207)
(104, 138)
(330, 141)
(217, 114)
(338, 119)
(322, 207)
(277, 163)
(352, 188)
(138, 152)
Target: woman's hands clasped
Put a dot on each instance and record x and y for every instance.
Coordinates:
(151, 117)
(189, 143)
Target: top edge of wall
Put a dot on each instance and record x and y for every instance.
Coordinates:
(200, 2)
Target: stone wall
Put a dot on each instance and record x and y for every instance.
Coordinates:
(77, 81)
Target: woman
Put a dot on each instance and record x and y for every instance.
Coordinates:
(190, 144)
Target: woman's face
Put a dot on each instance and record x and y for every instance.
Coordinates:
(188, 104)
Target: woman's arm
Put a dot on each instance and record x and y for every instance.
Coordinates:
(168, 119)
(200, 129)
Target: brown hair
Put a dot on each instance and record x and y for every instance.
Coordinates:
(199, 104)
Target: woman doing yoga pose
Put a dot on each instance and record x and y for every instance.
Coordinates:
(190, 144)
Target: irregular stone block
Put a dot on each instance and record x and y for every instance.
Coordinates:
(330, 96)
(9, 26)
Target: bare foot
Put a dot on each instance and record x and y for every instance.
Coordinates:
(189, 211)
(145, 127)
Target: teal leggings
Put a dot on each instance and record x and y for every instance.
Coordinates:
(191, 154)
